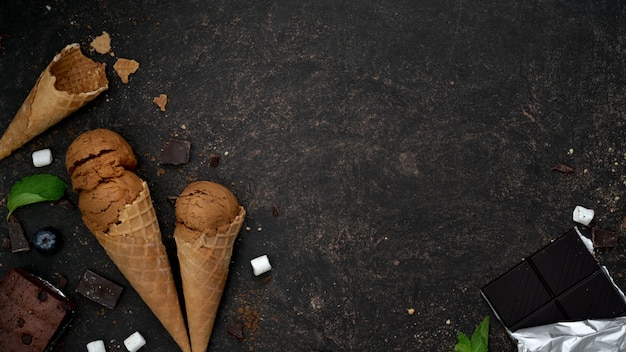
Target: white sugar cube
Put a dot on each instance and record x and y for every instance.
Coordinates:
(42, 157)
(582, 215)
(134, 342)
(96, 346)
(261, 265)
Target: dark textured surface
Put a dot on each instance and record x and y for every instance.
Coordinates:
(409, 146)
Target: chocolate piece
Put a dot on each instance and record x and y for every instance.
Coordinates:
(175, 152)
(99, 289)
(6, 243)
(594, 298)
(33, 313)
(19, 242)
(517, 293)
(603, 238)
(215, 160)
(560, 282)
(566, 169)
(275, 210)
(564, 263)
(236, 329)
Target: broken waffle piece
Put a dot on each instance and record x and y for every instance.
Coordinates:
(124, 68)
(160, 101)
(102, 43)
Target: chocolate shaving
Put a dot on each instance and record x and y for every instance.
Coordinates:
(236, 329)
(563, 168)
(215, 160)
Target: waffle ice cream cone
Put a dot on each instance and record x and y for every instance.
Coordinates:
(69, 82)
(135, 246)
(117, 208)
(204, 256)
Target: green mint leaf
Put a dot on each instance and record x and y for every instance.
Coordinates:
(479, 340)
(33, 189)
(480, 337)
(464, 344)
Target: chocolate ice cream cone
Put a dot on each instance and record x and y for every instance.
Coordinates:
(208, 219)
(70, 81)
(134, 244)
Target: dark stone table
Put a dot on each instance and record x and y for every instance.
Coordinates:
(408, 146)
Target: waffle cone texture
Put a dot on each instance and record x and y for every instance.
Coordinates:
(204, 264)
(70, 81)
(135, 246)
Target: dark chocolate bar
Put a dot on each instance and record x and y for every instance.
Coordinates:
(560, 282)
(99, 289)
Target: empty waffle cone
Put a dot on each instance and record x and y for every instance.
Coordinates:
(204, 266)
(70, 81)
(134, 244)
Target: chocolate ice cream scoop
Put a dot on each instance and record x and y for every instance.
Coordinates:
(204, 208)
(101, 205)
(98, 155)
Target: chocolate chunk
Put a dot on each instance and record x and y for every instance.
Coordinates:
(99, 289)
(566, 169)
(19, 242)
(6, 243)
(215, 160)
(175, 152)
(560, 282)
(236, 329)
(603, 238)
(172, 199)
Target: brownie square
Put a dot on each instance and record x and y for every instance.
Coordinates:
(32, 312)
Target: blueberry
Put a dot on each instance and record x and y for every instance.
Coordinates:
(47, 240)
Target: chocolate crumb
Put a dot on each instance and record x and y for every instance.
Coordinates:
(61, 281)
(215, 160)
(566, 169)
(266, 279)
(6, 243)
(275, 211)
(172, 199)
(236, 329)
